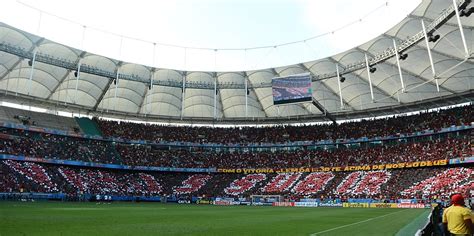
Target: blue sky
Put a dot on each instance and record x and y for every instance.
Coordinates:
(213, 24)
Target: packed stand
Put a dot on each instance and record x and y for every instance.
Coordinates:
(439, 149)
(283, 134)
(50, 146)
(107, 182)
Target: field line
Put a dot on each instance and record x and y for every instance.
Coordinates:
(355, 223)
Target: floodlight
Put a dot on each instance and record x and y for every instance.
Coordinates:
(403, 56)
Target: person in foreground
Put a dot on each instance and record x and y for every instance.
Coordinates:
(457, 217)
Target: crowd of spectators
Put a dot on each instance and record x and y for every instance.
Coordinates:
(239, 186)
(34, 173)
(313, 183)
(191, 184)
(49, 146)
(110, 183)
(438, 149)
(369, 128)
(420, 183)
(455, 178)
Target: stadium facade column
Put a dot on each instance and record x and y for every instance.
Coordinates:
(183, 91)
(215, 95)
(339, 85)
(32, 69)
(8, 80)
(18, 81)
(78, 74)
(466, 50)
(399, 67)
(370, 79)
(246, 77)
(147, 93)
(246, 95)
(433, 71)
(184, 81)
(116, 88)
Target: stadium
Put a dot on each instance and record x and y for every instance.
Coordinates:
(373, 140)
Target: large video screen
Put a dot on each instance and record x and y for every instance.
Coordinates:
(292, 89)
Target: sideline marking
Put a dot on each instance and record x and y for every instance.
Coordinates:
(355, 223)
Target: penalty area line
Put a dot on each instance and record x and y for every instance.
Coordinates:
(355, 223)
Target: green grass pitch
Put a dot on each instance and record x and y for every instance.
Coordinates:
(57, 218)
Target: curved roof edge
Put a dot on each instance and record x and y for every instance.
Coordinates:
(450, 100)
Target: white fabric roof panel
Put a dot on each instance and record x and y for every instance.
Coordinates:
(161, 100)
(200, 103)
(135, 69)
(7, 61)
(134, 96)
(233, 100)
(124, 96)
(14, 37)
(165, 74)
(58, 50)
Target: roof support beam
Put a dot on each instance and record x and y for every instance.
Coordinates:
(9, 70)
(461, 30)
(246, 96)
(433, 50)
(368, 76)
(406, 71)
(323, 110)
(345, 103)
(339, 86)
(397, 58)
(431, 20)
(428, 49)
(144, 101)
(220, 98)
(107, 86)
(65, 76)
(327, 87)
(35, 45)
(376, 87)
(59, 84)
(215, 95)
(32, 69)
(145, 94)
(183, 93)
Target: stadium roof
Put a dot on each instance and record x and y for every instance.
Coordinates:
(108, 87)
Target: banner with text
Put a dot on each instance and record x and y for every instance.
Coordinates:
(401, 165)
(383, 205)
(357, 205)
